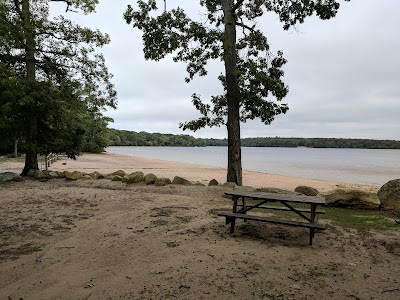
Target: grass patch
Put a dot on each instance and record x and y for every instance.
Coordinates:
(361, 218)
(354, 218)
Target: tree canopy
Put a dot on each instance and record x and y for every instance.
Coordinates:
(54, 80)
(253, 75)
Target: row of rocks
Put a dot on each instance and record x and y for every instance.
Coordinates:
(119, 175)
(388, 196)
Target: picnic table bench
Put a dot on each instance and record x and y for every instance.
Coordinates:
(241, 208)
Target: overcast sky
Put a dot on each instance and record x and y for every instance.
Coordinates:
(343, 75)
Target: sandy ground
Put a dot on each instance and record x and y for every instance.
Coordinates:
(97, 239)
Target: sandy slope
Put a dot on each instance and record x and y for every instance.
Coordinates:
(97, 239)
(107, 240)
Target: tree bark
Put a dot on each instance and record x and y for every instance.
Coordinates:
(31, 161)
(232, 94)
(16, 148)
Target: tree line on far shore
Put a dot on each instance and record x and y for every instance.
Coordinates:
(99, 137)
(132, 138)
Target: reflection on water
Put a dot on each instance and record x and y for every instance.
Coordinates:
(363, 166)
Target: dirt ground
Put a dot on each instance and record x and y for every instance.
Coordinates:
(107, 240)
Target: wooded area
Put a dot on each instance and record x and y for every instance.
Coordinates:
(54, 85)
(132, 138)
(99, 137)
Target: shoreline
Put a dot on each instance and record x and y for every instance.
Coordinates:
(110, 162)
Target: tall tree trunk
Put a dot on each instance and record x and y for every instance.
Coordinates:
(31, 161)
(16, 148)
(233, 95)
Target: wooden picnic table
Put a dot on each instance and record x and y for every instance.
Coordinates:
(309, 215)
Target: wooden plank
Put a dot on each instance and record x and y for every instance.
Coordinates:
(278, 197)
(270, 220)
(318, 211)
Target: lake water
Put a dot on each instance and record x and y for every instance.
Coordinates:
(363, 166)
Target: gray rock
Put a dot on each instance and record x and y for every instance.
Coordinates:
(73, 175)
(162, 181)
(87, 176)
(352, 198)
(213, 182)
(198, 183)
(273, 190)
(150, 178)
(230, 184)
(117, 178)
(244, 188)
(37, 174)
(53, 174)
(97, 175)
(10, 176)
(119, 173)
(180, 180)
(135, 177)
(62, 174)
(306, 190)
(389, 194)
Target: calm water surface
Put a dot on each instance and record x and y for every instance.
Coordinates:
(363, 166)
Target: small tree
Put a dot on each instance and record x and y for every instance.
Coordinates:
(51, 53)
(253, 75)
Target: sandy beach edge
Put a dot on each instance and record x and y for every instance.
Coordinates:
(110, 162)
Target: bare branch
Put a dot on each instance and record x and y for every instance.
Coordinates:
(237, 5)
(69, 3)
(245, 26)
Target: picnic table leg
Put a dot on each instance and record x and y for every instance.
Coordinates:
(235, 201)
(244, 206)
(312, 218)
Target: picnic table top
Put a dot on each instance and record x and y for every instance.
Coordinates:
(298, 198)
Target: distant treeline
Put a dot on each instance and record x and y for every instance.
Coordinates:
(132, 138)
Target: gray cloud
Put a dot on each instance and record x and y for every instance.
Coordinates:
(343, 75)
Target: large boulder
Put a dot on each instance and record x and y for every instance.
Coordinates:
(119, 173)
(389, 194)
(306, 190)
(230, 184)
(162, 181)
(213, 182)
(37, 174)
(10, 176)
(273, 190)
(96, 175)
(180, 180)
(53, 174)
(117, 178)
(62, 174)
(87, 176)
(245, 188)
(135, 177)
(150, 178)
(73, 175)
(352, 198)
